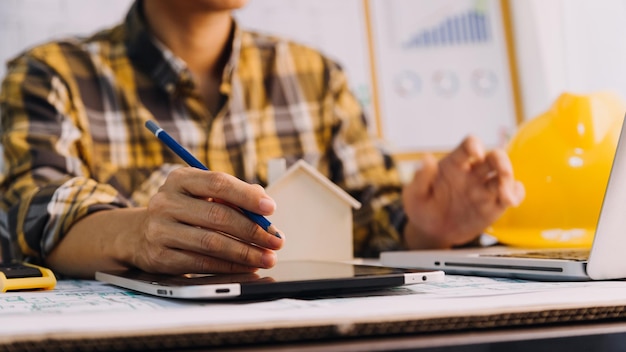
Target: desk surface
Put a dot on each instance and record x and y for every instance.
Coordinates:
(462, 310)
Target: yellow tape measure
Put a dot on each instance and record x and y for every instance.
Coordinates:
(24, 276)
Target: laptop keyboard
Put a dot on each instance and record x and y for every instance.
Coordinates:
(579, 255)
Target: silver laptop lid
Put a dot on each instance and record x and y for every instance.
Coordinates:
(608, 254)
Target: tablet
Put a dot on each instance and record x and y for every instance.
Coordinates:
(286, 279)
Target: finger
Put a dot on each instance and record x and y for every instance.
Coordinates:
(511, 194)
(219, 217)
(216, 216)
(507, 187)
(424, 178)
(164, 238)
(177, 261)
(222, 201)
(210, 184)
(496, 163)
(500, 194)
(499, 162)
(503, 180)
(220, 246)
(483, 171)
(470, 150)
(519, 192)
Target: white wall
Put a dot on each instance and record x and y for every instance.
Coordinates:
(562, 45)
(24, 23)
(577, 46)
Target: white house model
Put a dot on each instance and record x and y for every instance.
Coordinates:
(314, 214)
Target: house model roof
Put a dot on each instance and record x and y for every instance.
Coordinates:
(303, 166)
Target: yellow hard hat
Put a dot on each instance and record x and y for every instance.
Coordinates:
(563, 157)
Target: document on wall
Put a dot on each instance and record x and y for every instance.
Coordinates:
(443, 72)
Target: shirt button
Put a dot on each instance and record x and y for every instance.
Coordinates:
(170, 88)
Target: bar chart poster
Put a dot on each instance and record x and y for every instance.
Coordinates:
(442, 73)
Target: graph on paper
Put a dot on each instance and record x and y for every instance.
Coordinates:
(442, 73)
(467, 27)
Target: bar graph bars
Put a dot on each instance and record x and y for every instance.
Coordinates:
(470, 27)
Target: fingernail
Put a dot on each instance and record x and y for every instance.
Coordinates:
(267, 205)
(268, 259)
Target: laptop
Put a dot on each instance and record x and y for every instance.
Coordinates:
(605, 261)
(286, 279)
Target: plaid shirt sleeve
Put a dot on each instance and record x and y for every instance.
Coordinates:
(362, 166)
(47, 186)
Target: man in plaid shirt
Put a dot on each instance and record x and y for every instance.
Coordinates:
(86, 187)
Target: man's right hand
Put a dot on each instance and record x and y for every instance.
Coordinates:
(182, 230)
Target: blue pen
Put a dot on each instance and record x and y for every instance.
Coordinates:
(192, 161)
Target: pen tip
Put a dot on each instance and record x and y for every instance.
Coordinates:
(272, 230)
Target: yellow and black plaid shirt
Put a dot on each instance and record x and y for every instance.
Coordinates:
(73, 115)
